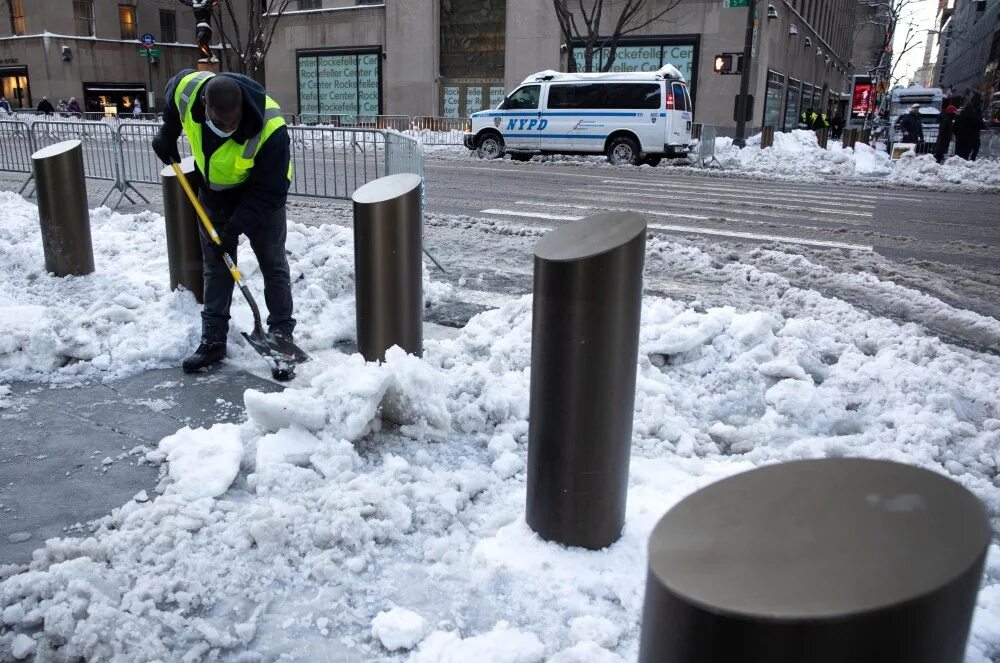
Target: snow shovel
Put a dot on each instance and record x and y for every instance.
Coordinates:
(280, 353)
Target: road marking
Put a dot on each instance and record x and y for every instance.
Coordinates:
(531, 215)
(758, 236)
(684, 189)
(766, 206)
(697, 231)
(767, 186)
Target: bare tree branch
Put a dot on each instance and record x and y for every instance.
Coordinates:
(262, 18)
(630, 19)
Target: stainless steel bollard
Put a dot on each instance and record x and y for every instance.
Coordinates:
(388, 265)
(766, 136)
(62, 208)
(849, 138)
(182, 223)
(823, 136)
(584, 350)
(823, 561)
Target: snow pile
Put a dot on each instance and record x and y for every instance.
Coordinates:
(124, 318)
(924, 170)
(796, 155)
(375, 511)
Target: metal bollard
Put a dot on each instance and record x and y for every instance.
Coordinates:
(849, 137)
(865, 136)
(824, 561)
(584, 347)
(766, 136)
(823, 136)
(182, 224)
(388, 274)
(62, 208)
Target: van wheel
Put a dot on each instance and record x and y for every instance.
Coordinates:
(490, 146)
(521, 156)
(653, 160)
(623, 150)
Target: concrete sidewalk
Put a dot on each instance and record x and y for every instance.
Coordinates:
(68, 456)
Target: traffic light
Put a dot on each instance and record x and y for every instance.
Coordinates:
(729, 63)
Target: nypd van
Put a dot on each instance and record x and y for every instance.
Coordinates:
(633, 118)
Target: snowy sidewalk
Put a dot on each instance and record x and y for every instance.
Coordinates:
(68, 456)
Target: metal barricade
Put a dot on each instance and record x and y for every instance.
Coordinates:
(706, 147)
(332, 162)
(101, 153)
(431, 130)
(139, 163)
(16, 149)
(403, 154)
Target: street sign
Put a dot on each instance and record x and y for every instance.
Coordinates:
(148, 40)
(149, 52)
(736, 4)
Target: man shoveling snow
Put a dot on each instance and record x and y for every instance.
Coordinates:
(241, 148)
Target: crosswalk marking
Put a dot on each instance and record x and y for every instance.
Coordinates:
(698, 205)
(764, 187)
(725, 193)
(691, 230)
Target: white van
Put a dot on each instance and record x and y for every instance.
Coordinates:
(633, 118)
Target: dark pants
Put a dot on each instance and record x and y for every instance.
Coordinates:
(268, 244)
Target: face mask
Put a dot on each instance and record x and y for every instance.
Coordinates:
(216, 130)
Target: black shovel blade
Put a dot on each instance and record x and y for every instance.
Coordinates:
(280, 353)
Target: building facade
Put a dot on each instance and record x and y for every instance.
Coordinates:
(454, 57)
(969, 45)
(90, 49)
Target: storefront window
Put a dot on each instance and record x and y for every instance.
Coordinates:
(792, 105)
(339, 84)
(772, 103)
(644, 57)
(168, 26)
(14, 86)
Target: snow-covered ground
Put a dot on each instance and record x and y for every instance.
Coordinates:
(797, 157)
(375, 511)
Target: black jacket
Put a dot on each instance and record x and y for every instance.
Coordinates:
(46, 107)
(911, 127)
(265, 191)
(945, 127)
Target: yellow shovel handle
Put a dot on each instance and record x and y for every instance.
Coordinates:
(205, 221)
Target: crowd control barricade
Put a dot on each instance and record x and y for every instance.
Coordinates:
(706, 147)
(431, 130)
(16, 149)
(101, 151)
(139, 163)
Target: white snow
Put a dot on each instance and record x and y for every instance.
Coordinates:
(368, 486)
(399, 628)
(22, 647)
(203, 463)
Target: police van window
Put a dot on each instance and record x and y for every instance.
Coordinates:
(524, 98)
(680, 100)
(605, 95)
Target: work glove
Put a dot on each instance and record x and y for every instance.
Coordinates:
(230, 238)
(166, 149)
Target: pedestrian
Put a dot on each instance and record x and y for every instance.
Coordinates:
(968, 125)
(61, 107)
(136, 107)
(5, 106)
(837, 126)
(946, 124)
(45, 106)
(805, 121)
(910, 126)
(74, 107)
(241, 149)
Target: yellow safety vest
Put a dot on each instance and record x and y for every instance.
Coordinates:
(230, 164)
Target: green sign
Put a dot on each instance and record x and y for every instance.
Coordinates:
(736, 4)
(149, 52)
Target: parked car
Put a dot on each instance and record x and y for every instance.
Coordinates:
(633, 118)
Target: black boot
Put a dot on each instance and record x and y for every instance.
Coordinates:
(281, 340)
(206, 355)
